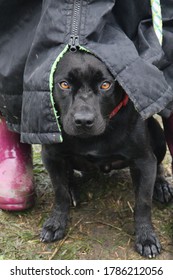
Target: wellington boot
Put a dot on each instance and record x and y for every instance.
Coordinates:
(16, 171)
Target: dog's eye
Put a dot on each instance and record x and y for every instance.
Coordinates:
(64, 85)
(105, 86)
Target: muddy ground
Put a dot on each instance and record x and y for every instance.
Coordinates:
(101, 227)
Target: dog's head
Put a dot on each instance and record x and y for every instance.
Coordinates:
(85, 93)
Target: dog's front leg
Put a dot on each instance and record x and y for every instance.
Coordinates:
(54, 227)
(143, 173)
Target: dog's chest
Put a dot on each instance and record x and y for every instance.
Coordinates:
(105, 163)
(102, 154)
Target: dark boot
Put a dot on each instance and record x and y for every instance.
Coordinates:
(168, 128)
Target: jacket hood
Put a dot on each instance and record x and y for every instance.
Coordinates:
(97, 27)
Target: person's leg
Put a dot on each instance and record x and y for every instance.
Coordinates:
(16, 172)
(168, 128)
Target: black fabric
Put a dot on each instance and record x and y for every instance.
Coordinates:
(167, 12)
(18, 21)
(119, 32)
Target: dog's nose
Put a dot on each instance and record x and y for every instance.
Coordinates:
(84, 120)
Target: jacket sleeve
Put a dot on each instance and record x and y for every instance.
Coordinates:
(141, 32)
(18, 20)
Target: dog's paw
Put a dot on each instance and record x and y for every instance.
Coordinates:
(147, 244)
(52, 230)
(163, 191)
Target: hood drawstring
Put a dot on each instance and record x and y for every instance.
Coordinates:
(157, 19)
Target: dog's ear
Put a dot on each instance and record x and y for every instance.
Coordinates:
(56, 104)
(118, 92)
(119, 88)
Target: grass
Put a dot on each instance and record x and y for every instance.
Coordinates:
(101, 227)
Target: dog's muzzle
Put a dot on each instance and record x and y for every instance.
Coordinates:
(84, 120)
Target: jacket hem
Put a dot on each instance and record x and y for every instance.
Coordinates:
(41, 138)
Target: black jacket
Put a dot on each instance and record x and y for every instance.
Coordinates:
(34, 34)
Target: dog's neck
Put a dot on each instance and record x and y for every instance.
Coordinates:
(123, 103)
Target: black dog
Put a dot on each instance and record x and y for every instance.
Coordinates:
(101, 129)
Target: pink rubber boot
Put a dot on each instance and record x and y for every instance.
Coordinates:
(16, 173)
(168, 128)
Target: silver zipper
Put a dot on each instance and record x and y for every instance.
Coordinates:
(74, 37)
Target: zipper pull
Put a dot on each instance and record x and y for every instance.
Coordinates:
(74, 43)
